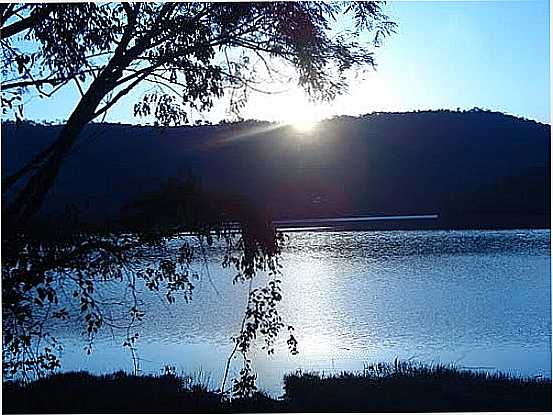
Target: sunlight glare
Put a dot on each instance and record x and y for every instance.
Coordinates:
(299, 113)
(303, 118)
(304, 125)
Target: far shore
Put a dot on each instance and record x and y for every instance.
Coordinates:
(416, 222)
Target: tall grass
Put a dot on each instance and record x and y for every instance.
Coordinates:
(414, 387)
(81, 392)
(396, 387)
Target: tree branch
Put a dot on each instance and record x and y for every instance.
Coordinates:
(121, 94)
(7, 11)
(25, 23)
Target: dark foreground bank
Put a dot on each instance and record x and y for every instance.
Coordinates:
(381, 388)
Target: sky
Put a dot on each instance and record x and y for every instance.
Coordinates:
(492, 55)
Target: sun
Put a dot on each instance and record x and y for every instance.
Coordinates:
(303, 118)
(296, 111)
(304, 125)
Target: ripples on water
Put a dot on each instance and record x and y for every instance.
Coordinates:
(475, 298)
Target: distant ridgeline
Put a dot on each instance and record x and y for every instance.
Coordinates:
(475, 169)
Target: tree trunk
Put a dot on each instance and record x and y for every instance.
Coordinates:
(29, 200)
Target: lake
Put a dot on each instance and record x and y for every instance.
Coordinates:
(477, 299)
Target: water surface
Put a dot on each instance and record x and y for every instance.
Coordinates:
(478, 299)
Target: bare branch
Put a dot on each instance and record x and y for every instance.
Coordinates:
(79, 87)
(46, 81)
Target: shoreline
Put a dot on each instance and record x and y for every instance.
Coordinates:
(383, 387)
(430, 221)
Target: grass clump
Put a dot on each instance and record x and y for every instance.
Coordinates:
(407, 387)
(78, 392)
(82, 392)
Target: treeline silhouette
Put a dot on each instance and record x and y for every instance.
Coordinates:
(475, 168)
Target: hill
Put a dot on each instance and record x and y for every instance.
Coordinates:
(475, 169)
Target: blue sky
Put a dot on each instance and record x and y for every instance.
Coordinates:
(464, 54)
(445, 55)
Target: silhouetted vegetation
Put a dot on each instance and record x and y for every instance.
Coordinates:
(79, 392)
(190, 54)
(100, 226)
(398, 387)
(404, 387)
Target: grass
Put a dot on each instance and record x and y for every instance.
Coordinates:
(406, 387)
(81, 392)
(401, 387)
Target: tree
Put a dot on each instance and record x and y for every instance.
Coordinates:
(176, 46)
(193, 54)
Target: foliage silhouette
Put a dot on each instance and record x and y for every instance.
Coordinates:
(398, 387)
(410, 387)
(141, 253)
(191, 54)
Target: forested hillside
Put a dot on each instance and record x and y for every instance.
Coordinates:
(475, 168)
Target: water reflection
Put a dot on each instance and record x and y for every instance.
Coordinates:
(476, 298)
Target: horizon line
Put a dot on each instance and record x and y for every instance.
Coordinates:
(206, 123)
